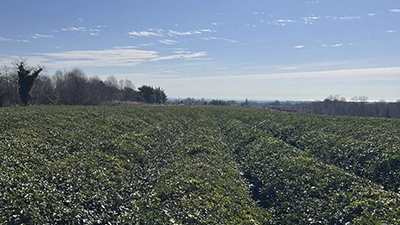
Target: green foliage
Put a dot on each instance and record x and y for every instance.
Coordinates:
(152, 95)
(218, 102)
(299, 189)
(195, 165)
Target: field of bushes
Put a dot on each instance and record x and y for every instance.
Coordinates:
(195, 165)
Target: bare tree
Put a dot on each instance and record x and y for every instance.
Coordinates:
(97, 91)
(43, 91)
(8, 87)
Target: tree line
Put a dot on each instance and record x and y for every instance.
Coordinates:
(358, 108)
(336, 105)
(22, 85)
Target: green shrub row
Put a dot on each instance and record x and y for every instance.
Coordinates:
(195, 165)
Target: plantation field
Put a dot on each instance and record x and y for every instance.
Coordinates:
(195, 165)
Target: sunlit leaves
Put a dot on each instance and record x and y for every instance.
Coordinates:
(201, 165)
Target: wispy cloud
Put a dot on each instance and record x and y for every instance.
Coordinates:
(350, 17)
(314, 1)
(115, 57)
(290, 68)
(14, 40)
(395, 10)
(80, 29)
(94, 31)
(185, 56)
(220, 38)
(22, 40)
(168, 41)
(282, 22)
(310, 19)
(186, 33)
(143, 34)
(162, 33)
(391, 31)
(36, 36)
(179, 33)
(335, 45)
(299, 46)
(5, 39)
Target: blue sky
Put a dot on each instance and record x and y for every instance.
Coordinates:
(226, 49)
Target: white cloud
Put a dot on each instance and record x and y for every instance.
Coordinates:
(146, 45)
(124, 47)
(310, 19)
(168, 41)
(282, 22)
(313, 2)
(371, 14)
(187, 33)
(4, 39)
(95, 32)
(206, 31)
(181, 56)
(98, 58)
(220, 38)
(36, 36)
(395, 10)
(143, 34)
(336, 45)
(81, 29)
(350, 17)
(21, 40)
(16, 40)
(122, 56)
(162, 33)
(290, 68)
(179, 33)
(299, 46)
(391, 31)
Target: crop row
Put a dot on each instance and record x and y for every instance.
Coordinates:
(194, 165)
(367, 147)
(140, 165)
(299, 189)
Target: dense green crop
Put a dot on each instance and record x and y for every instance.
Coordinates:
(195, 165)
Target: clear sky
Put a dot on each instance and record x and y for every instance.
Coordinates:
(226, 49)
